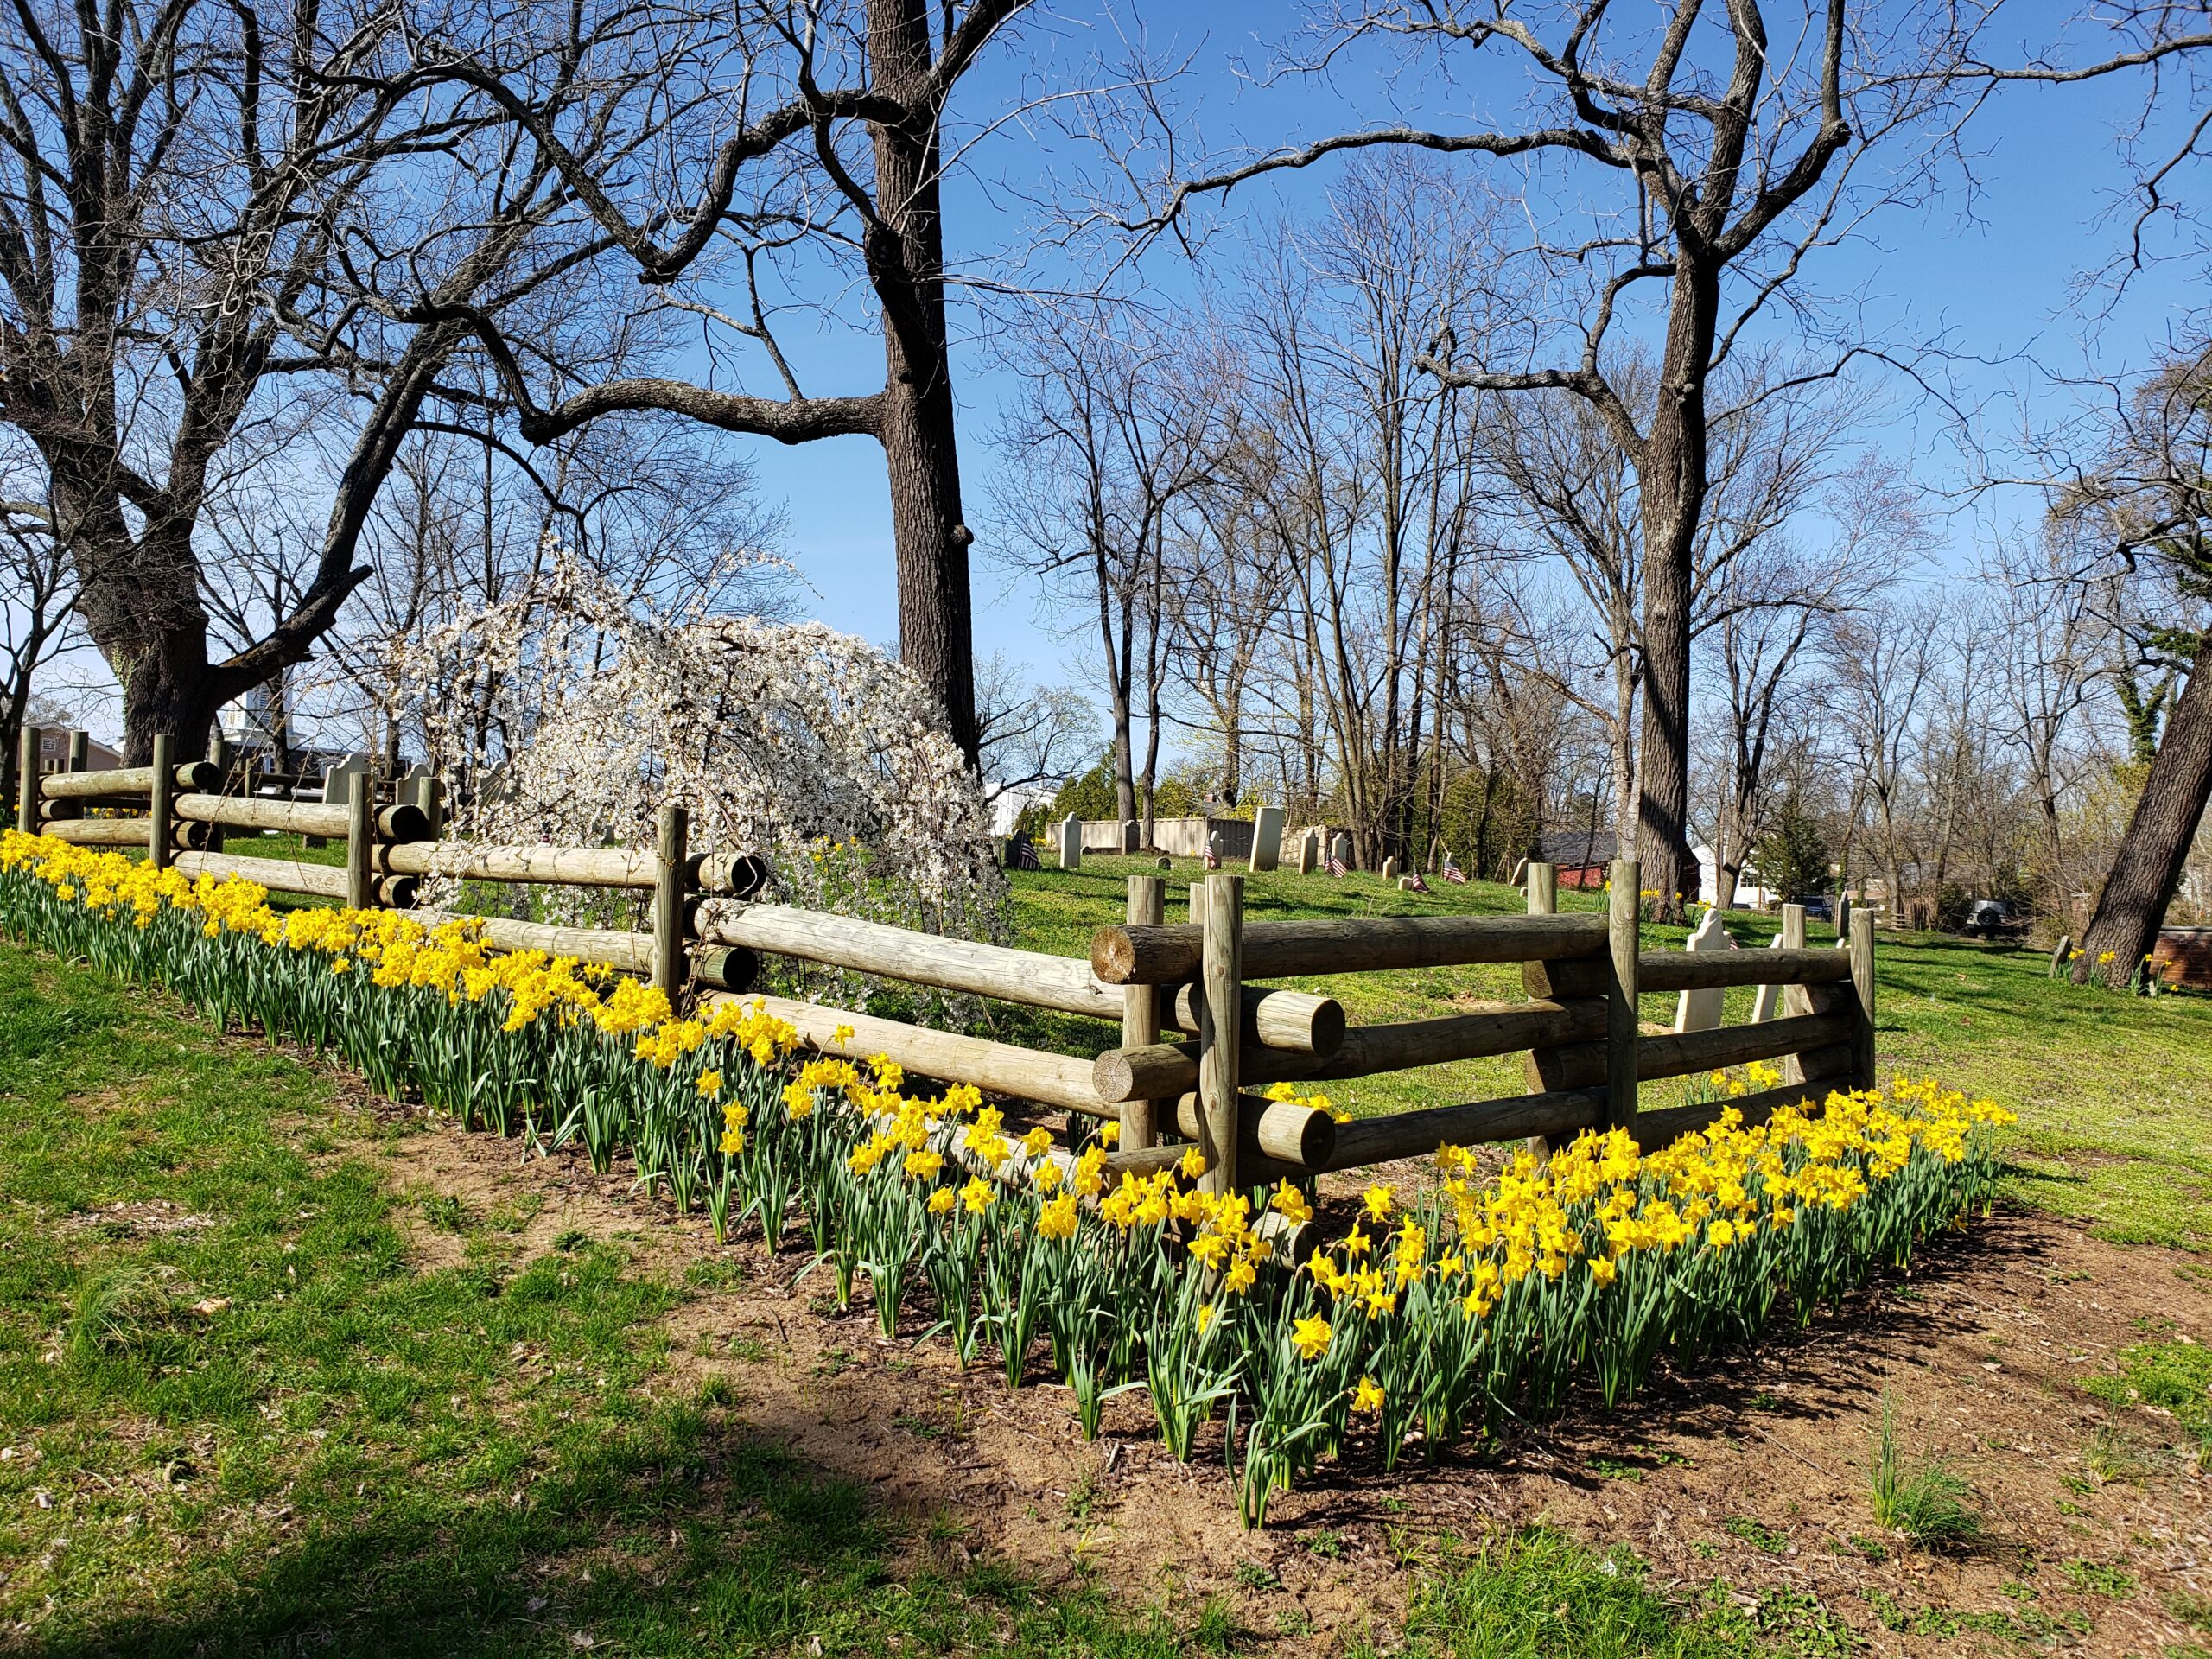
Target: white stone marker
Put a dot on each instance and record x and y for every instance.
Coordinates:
(1266, 838)
(1700, 1010)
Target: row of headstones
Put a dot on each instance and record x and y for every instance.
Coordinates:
(416, 786)
(1266, 844)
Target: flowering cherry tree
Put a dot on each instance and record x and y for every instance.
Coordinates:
(574, 713)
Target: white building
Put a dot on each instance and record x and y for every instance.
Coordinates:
(1749, 894)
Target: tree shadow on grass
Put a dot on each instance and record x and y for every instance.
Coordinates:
(684, 1535)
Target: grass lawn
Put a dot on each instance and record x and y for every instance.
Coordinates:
(236, 1417)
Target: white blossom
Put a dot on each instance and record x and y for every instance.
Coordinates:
(572, 715)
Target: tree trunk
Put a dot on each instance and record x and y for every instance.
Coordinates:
(905, 259)
(2148, 868)
(1624, 735)
(1671, 479)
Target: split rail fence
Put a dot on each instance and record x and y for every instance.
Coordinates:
(1577, 1023)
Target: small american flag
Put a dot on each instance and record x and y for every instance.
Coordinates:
(1025, 854)
(1452, 872)
(1415, 884)
(1338, 866)
(1213, 859)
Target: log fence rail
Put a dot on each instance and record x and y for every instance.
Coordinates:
(1578, 1026)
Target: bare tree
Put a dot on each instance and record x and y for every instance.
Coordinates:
(1768, 593)
(767, 137)
(1223, 597)
(1040, 734)
(1728, 154)
(2149, 503)
(1884, 671)
(1117, 422)
(194, 220)
(38, 604)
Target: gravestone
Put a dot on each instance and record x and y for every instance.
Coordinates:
(1071, 835)
(1132, 835)
(1213, 851)
(339, 784)
(2061, 955)
(340, 781)
(418, 786)
(1389, 869)
(1342, 851)
(1700, 1010)
(1767, 1005)
(1309, 852)
(1266, 838)
(1166, 862)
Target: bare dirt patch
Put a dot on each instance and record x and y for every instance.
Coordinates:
(2097, 1531)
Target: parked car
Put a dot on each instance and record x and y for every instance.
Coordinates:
(1990, 918)
(1819, 907)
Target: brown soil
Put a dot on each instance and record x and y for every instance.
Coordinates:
(1754, 1470)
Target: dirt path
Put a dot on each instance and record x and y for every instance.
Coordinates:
(1755, 1471)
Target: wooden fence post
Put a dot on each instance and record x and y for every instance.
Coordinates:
(1862, 981)
(80, 751)
(1794, 1000)
(360, 845)
(1221, 976)
(27, 778)
(670, 969)
(158, 810)
(218, 756)
(1140, 1014)
(1543, 900)
(1543, 889)
(1624, 933)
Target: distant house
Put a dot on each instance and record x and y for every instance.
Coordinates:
(1581, 856)
(1012, 804)
(54, 752)
(1749, 894)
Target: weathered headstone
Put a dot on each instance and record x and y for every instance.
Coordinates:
(1341, 851)
(1520, 874)
(418, 786)
(1309, 852)
(1700, 1010)
(1166, 862)
(1767, 1005)
(1266, 838)
(339, 784)
(1406, 884)
(1071, 842)
(1389, 869)
(339, 781)
(1843, 919)
(1132, 835)
(1213, 851)
(2061, 954)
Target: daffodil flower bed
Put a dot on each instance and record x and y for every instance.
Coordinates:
(1454, 1311)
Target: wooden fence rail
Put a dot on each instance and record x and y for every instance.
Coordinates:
(1578, 1026)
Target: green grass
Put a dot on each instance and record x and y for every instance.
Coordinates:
(346, 1452)
(1540, 1595)
(2115, 1093)
(2175, 1376)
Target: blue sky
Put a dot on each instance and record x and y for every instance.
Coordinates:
(1989, 273)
